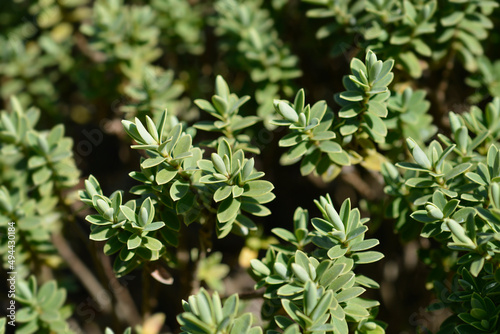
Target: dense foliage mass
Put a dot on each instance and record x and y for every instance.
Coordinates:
(144, 175)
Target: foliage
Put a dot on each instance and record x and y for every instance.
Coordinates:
(263, 54)
(325, 145)
(486, 80)
(205, 314)
(178, 186)
(321, 292)
(225, 106)
(37, 166)
(43, 310)
(195, 213)
(453, 191)
(411, 32)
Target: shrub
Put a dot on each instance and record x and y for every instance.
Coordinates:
(200, 103)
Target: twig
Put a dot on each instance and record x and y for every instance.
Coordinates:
(353, 179)
(82, 272)
(127, 309)
(82, 44)
(146, 286)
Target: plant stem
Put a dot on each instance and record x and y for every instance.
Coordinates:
(126, 308)
(82, 272)
(146, 287)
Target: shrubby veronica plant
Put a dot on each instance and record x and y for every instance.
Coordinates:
(202, 172)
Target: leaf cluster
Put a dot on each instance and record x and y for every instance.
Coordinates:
(178, 186)
(36, 167)
(321, 292)
(453, 191)
(42, 308)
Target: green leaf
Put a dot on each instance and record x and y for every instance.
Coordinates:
(375, 123)
(341, 158)
(36, 161)
(128, 213)
(146, 212)
(476, 266)
(153, 226)
(165, 175)
(146, 137)
(49, 316)
(292, 139)
(310, 297)
(411, 166)
(183, 146)
(284, 234)
(411, 63)
(452, 19)
(193, 324)
(310, 162)
(367, 257)
(112, 246)
(101, 233)
(171, 237)
(237, 191)
(337, 251)
(222, 193)
(151, 162)
(291, 309)
(26, 315)
(326, 135)
(323, 305)
(363, 245)
(367, 282)
(474, 177)
(230, 307)
(349, 293)
(151, 243)
(377, 108)
(297, 151)
(187, 204)
(41, 176)
(219, 164)
(244, 122)
(242, 324)
(220, 104)
(330, 147)
(300, 273)
(228, 209)
(350, 111)
(46, 292)
(221, 87)
(257, 188)
(400, 39)
(206, 126)
(356, 311)
(352, 95)
(134, 241)
(179, 189)
(450, 207)
(174, 136)
(287, 112)
(98, 220)
(290, 290)
(255, 209)
(420, 182)
(259, 268)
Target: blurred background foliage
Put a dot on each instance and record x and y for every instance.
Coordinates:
(90, 64)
